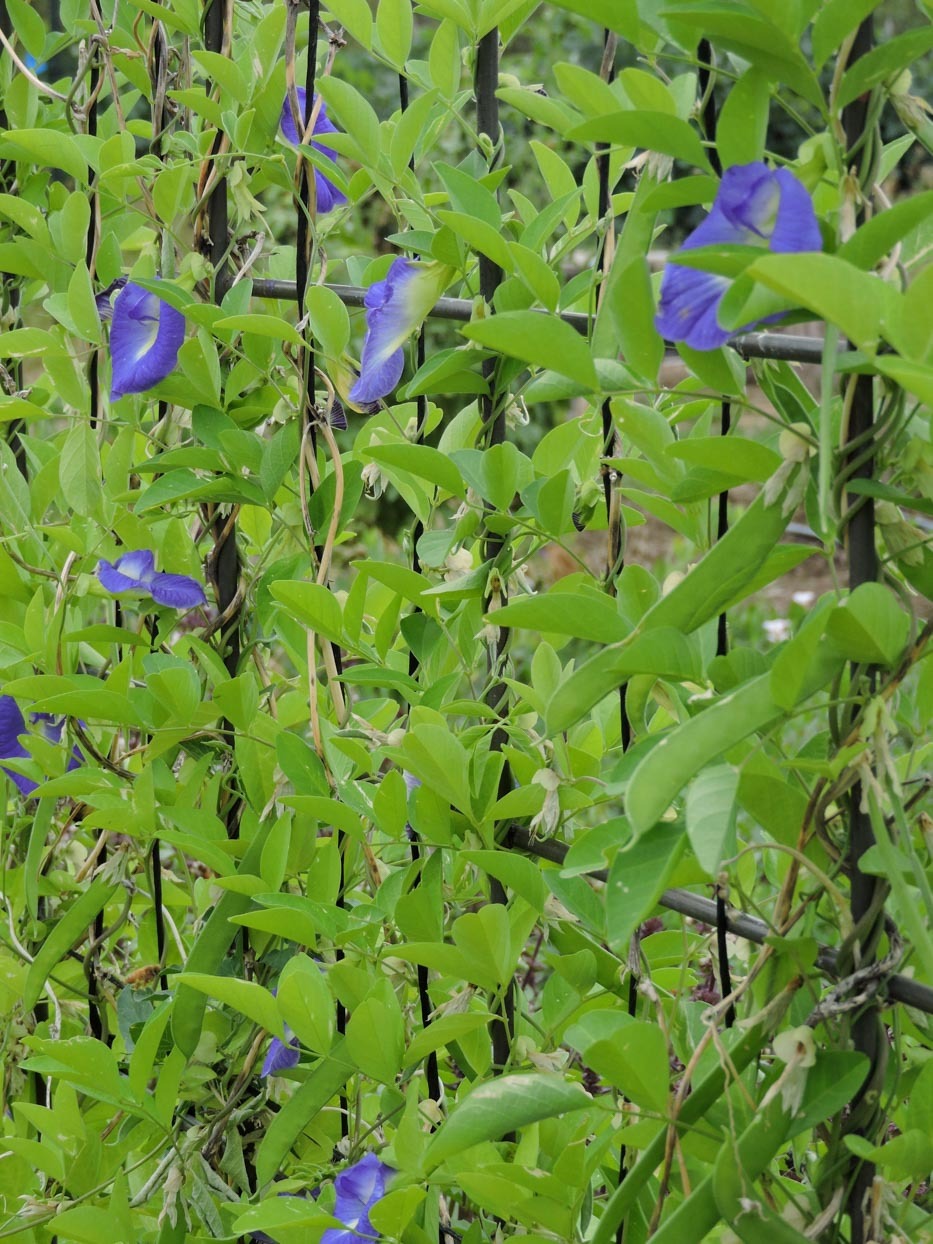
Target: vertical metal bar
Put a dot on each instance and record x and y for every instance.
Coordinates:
(866, 891)
(615, 530)
(485, 83)
(224, 559)
(9, 294)
(709, 115)
(432, 1075)
(97, 1018)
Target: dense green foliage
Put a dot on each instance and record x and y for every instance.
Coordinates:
(484, 984)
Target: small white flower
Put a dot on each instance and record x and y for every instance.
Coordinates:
(777, 629)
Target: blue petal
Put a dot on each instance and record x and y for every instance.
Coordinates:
(133, 572)
(796, 227)
(144, 340)
(328, 196)
(138, 564)
(388, 323)
(748, 198)
(178, 591)
(280, 1057)
(358, 1189)
(12, 725)
(687, 311)
(104, 305)
(753, 205)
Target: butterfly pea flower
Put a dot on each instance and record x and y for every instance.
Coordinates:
(13, 727)
(145, 338)
(328, 196)
(281, 1055)
(136, 572)
(395, 307)
(358, 1189)
(754, 206)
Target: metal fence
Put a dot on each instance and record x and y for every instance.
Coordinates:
(213, 236)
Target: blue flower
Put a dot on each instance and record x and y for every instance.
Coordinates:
(103, 299)
(754, 207)
(358, 1189)
(144, 340)
(281, 1055)
(13, 726)
(136, 572)
(395, 307)
(328, 196)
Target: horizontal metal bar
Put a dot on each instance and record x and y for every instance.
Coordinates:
(792, 348)
(896, 988)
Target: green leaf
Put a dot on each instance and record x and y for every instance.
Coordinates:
(246, 997)
(726, 570)
(731, 455)
(224, 72)
(635, 1061)
(484, 939)
(68, 930)
(515, 872)
(356, 17)
(664, 653)
(639, 875)
(877, 236)
(307, 1102)
(354, 113)
(211, 947)
(676, 757)
(884, 62)
(81, 304)
(835, 20)
(394, 29)
(736, 28)
(313, 606)
(79, 471)
(376, 1036)
(908, 1156)
(503, 1105)
(629, 301)
(654, 131)
(870, 626)
(742, 127)
(305, 1003)
(480, 236)
(711, 807)
(586, 616)
(831, 1085)
(610, 13)
(330, 323)
(470, 197)
(538, 338)
(26, 342)
(420, 460)
(49, 147)
(260, 326)
(446, 1030)
(857, 302)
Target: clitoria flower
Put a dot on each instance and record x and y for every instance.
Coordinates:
(328, 196)
(13, 727)
(754, 206)
(395, 308)
(145, 337)
(136, 572)
(358, 1189)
